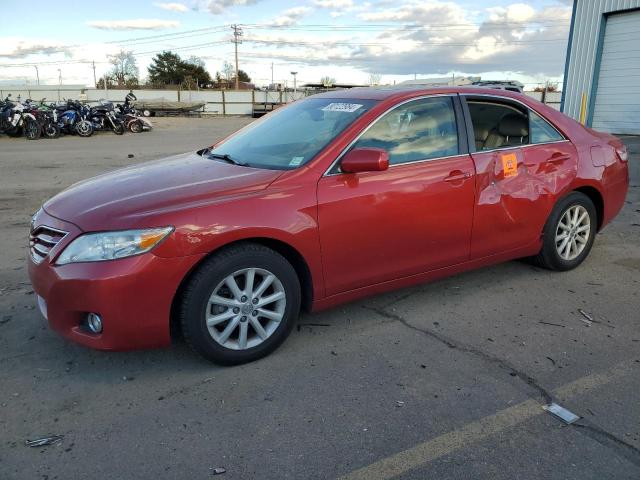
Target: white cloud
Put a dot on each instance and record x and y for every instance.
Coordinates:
(289, 17)
(334, 4)
(12, 48)
(138, 24)
(217, 7)
(173, 7)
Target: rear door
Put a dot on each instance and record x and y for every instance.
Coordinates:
(414, 217)
(521, 165)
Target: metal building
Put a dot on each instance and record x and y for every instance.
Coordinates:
(602, 71)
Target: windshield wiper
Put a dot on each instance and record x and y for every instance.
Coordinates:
(226, 157)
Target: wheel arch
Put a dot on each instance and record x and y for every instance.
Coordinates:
(596, 197)
(291, 254)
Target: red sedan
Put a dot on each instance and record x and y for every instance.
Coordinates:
(336, 197)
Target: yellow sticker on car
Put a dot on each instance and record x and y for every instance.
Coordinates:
(510, 164)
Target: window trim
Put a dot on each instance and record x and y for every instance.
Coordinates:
(503, 99)
(458, 116)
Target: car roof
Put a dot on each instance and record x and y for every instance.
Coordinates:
(408, 91)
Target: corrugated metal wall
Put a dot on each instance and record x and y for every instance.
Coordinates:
(579, 71)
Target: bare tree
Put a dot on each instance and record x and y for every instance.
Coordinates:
(228, 71)
(125, 69)
(328, 81)
(374, 79)
(197, 61)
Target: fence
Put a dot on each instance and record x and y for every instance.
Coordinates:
(220, 102)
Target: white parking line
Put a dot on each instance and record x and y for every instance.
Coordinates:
(447, 443)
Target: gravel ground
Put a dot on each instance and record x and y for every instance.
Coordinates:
(444, 380)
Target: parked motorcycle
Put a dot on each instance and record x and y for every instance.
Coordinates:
(132, 121)
(103, 117)
(16, 120)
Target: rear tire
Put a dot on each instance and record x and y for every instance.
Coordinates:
(255, 331)
(136, 126)
(569, 233)
(119, 129)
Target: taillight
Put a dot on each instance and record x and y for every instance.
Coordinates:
(622, 153)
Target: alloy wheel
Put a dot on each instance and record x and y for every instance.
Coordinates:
(245, 308)
(572, 232)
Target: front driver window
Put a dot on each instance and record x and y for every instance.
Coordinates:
(418, 130)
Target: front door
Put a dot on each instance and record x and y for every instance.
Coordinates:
(414, 217)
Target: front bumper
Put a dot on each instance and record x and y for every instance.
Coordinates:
(132, 295)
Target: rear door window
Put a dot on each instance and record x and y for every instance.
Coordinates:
(541, 130)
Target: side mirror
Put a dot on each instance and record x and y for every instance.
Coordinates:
(365, 160)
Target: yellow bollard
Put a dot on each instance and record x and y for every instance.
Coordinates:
(583, 108)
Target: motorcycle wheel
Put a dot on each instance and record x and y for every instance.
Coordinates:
(32, 130)
(51, 130)
(136, 126)
(84, 128)
(118, 129)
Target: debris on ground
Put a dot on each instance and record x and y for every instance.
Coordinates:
(588, 319)
(127, 379)
(562, 413)
(130, 155)
(218, 471)
(552, 324)
(551, 360)
(44, 441)
(5, 319)
(399, 403)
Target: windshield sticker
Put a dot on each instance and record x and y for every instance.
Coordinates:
(342, 107)
(295, 161)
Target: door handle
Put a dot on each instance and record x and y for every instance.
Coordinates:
(457, 175)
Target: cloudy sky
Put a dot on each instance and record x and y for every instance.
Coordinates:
(345, 39)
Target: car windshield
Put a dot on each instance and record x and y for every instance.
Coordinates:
(292, 136)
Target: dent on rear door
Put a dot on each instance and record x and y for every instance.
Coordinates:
(516, 190)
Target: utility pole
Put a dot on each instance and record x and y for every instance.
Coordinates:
(95, 82)
(271, 73)
(59, 76)
(237, 33)
(37, 74)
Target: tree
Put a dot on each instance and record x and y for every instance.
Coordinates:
(125, 69)
(327, 81)
(228, 71)
(549, 86)
(193, 60)
(374, 79)
(243, 76)
(167, 68)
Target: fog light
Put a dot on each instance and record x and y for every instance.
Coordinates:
(94, 322)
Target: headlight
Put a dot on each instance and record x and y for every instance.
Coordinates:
(97, 247)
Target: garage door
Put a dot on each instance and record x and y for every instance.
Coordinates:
(617, 105)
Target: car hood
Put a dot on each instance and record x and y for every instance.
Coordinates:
(126, 198)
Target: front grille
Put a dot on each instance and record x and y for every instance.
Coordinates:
(41, 240)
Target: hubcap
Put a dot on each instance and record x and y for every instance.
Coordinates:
(245, 308)
(572, 232)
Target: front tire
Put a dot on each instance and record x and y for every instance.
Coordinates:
(240, 304)
(569, 233)
(84, 128)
